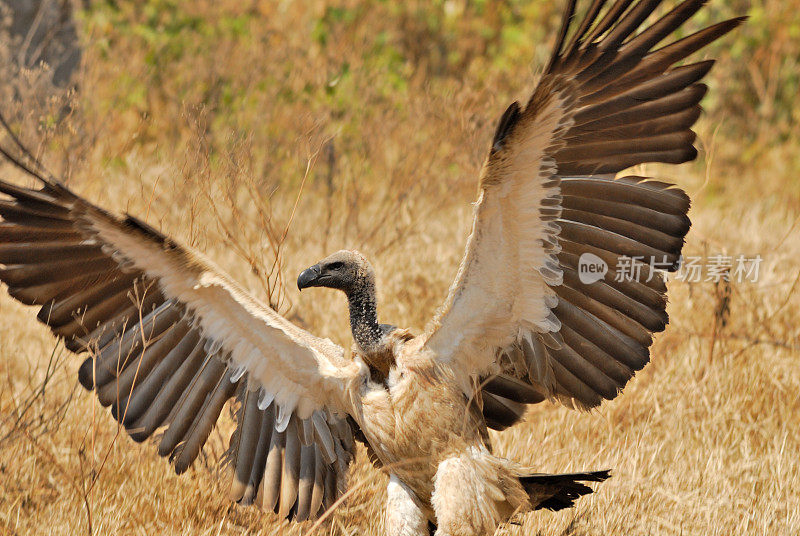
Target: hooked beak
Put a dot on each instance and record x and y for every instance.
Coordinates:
(308, 277)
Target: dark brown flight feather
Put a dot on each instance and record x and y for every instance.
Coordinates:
(631, 104)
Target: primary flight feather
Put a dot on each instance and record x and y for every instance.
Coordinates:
(170, 338)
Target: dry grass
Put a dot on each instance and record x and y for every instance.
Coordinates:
(207, 119)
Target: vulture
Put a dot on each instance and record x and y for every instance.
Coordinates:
(169, 338)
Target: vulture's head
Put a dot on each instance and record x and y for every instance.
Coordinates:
(346, 270)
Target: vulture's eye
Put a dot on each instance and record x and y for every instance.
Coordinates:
(336, 265)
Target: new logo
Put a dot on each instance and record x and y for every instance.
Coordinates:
(591, 268)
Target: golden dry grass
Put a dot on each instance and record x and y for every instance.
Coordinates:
(208, 118)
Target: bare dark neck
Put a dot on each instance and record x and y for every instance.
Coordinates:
(368, 334)
(364, 318)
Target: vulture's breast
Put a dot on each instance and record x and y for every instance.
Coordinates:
(417, 418)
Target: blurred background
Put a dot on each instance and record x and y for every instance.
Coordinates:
(269, 134)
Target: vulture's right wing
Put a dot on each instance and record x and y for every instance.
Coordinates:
(171, 338)
(519, 325)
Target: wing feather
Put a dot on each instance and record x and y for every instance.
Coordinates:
(171, 339)
(518, 312)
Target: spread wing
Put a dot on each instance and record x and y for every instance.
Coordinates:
(170, 339)
(518, 319)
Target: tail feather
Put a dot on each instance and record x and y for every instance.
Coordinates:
(558, 491)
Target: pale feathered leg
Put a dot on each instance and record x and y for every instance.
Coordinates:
(404, 517)
(474, 492)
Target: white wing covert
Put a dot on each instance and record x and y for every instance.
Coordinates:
(518, 324)
(171, 339)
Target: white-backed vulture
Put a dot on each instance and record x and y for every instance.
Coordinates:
(171, 338)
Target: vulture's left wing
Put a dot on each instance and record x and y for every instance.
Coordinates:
(518, 318)
(171, 338)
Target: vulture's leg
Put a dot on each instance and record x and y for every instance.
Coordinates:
(474, 492)
(404, 517)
